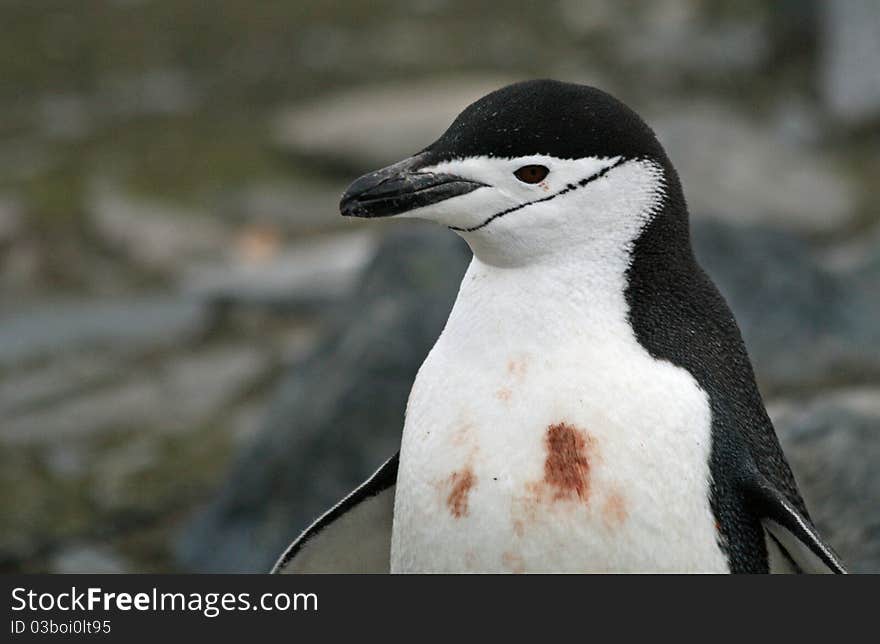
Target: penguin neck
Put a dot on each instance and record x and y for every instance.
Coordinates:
(583, 292)
(547, 302)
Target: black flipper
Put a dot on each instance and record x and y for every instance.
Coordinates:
(354, 536)
(791, 532)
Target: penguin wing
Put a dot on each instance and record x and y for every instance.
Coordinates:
(354, 536)
(791, 535)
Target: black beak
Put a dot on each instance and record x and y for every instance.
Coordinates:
(400, 188)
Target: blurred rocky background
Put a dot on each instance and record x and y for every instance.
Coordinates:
(198, 355)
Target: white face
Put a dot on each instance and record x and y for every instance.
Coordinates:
(582, 205)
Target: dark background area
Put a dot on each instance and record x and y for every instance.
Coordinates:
(198, 354)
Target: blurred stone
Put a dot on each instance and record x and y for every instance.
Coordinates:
(65, 117)
(804, 326)
(338, 414)
(130, 323)
(313, 272)
(114, 472)
(257, 243)
(748, 173)
(21, 267)
(292, 206)
(650, 35)
(867, 270)
(157, 236)
(590, 19)
(67, 461)
(11, 219)
(87, 559)
(85, 416)
(21, 256)
(798, 122)
(174, 397)
(851, 55)
(160, 91)
(378, 124)
(205, 383)
(653, 40)
(23, 158)
(833, 444)
(47, 383)
(246, 421)
(858, 255)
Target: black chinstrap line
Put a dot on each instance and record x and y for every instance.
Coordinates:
(568, 188)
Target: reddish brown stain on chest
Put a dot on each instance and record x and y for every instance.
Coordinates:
(463, 435)
(565, 484)
(567, 466)
(461, 483)
(614, 510)
(517, 368)
(513, 562)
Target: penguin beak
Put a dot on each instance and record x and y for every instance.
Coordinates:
(400, 188)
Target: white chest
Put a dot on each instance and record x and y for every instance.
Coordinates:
(535, 443)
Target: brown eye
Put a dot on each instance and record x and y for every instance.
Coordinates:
(532, 173)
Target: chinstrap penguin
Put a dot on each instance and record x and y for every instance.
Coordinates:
(589, 406)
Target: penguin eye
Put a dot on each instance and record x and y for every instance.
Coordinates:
(532, 173)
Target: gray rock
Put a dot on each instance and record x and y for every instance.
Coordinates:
(176, 396)
(20, 269)
(372, 126)
(307, 274)
(11, 219)
(161, 90)
(804, 326)
(85, 416)
(867, 267)
(654, 39)
(23, 158)
(851, 44)
(129, 323)
(338, 414)
(46, 384)
(154, 235)
(87, 559)
(749, 172)
(202, 384)
(65, 117)
(115, 472)
(292, 206)
(858, 256)
(833, 444)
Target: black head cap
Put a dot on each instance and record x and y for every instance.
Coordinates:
(549, 117)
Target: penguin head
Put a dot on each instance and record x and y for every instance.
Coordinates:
(535, 169)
